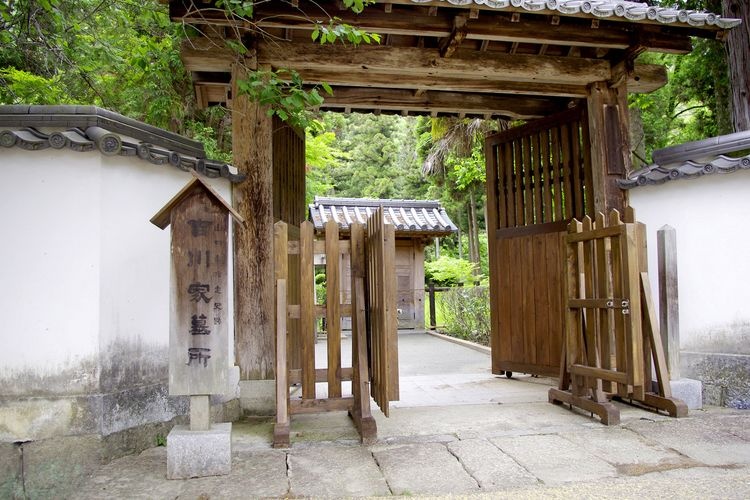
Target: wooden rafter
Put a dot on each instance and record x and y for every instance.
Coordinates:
(450, 44)
(443, 102)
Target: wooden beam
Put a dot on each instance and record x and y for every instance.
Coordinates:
(450, 44)
(493, 84)
(646, 78)
(206, 54)
(201, 97)
(208, 93)
(609, 143)
(406, 62)
(443, 102)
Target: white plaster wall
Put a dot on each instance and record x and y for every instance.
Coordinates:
(82, 269)
(49, 260)
(135, 257)
(712, 219)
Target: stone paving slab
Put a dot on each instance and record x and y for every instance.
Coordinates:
(489, 466)
(716, 441)
(135, 476)
(331, 470)
(487, 420)
(262, 472)
(701, 483)
(622, 447)
(424, 469)
(554, 459)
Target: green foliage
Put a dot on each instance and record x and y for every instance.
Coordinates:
(238, 8)
(449, 248)
(283, 92)
(207, 135)
(160, 440)
(695, 103)
(20, 87)
(357, 5)
(466, 172)
(320, 287)
(379, 161)
(122, 56)
(321, 154)
(466, 312)
(335, 31)
(450, 271)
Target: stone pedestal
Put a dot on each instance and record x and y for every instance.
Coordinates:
(199, 453)
(688, 390)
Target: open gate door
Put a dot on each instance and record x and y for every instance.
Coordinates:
(538, 178)
(383, 322)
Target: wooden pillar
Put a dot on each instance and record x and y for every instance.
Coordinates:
(253, 244)
(610, 144)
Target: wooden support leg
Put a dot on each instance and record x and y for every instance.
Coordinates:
(607, 412)
(673, 406)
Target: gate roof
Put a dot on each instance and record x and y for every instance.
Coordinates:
(516, 59)
(411, 218)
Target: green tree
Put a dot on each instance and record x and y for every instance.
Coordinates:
(452, 152)
(708, 92)
(379, 162)
(120, 55)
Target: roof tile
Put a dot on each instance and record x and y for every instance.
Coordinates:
(410, 217)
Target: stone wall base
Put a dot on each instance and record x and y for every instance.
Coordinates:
(54, 467)
(725, 377)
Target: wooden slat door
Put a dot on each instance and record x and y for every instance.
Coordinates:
(383, 329)
(538, 178)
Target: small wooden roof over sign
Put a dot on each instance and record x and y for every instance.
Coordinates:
(162, 217)
(411, 218)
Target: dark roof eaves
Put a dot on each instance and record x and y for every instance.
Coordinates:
(655, 174)
(703, 149)
(87, 116)
(157, 146)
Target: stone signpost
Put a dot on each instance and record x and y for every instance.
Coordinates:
(198, 343)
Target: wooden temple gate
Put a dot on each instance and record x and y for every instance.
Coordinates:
(510, 60)
(372, 309)
(538, 178)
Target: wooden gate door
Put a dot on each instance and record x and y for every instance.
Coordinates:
(383, 329)
(538, 178)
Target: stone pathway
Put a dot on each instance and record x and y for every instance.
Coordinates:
(463, 432)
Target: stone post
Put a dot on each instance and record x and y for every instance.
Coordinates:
(669, 310)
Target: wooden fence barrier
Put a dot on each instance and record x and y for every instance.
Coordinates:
(374, 324)
(611, 332)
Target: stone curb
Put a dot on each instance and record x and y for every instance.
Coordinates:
(465, 343)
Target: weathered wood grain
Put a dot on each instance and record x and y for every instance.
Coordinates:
(253, 243)
(333, 301)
